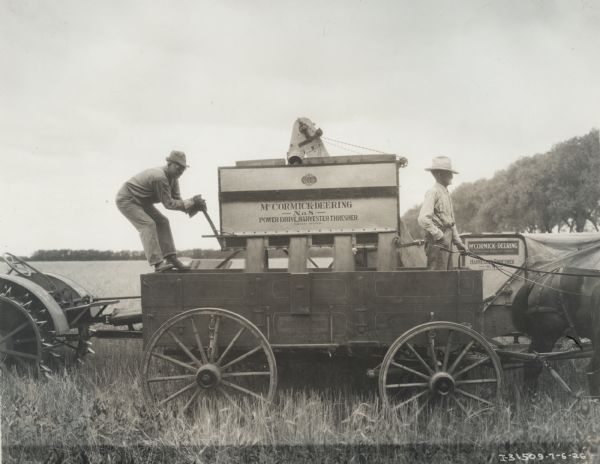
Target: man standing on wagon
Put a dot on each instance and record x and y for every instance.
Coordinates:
(136, 200)
(437, 217)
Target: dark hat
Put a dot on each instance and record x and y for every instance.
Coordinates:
(177, 157)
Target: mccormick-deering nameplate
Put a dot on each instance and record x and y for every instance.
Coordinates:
(323, 198)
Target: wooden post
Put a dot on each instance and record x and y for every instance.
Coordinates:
(255, 255)
(298, 254)
(343, 258)
(386, 252)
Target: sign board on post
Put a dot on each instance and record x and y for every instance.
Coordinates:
(501, 248)
(326, 198)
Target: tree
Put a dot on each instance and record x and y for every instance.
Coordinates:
(575, 194)
(410, 221)
(539, 193)
(467, 200)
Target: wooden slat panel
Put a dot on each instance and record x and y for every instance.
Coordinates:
(289, 177)
(298, 254)
(253, 196)
(255, 255)
(386, 252)
(343, 258)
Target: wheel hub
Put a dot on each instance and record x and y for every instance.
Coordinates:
(441, 383)
(208, 376)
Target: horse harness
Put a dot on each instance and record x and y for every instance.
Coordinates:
(560, 309)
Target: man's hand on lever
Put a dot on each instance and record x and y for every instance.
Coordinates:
(462, 248)
(194, 204)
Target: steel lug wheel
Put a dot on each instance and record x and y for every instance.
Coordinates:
(441, 363)
(20, 340)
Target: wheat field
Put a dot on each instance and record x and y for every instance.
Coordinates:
(97, 413)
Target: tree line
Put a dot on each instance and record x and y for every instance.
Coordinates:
(556, 191)
(127, 255)
(110, 255)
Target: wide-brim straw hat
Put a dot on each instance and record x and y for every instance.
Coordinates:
(441, 163)
(178, 157)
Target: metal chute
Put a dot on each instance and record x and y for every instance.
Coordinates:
(305, 142)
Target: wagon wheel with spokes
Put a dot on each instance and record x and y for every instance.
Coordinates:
(441, 364)
(20, 340)
(205, 355)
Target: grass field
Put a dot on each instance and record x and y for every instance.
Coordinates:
(97, 413)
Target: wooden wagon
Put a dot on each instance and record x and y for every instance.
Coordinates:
(224, 331)
(428, 336)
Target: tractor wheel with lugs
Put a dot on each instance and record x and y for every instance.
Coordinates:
(38, 306)
(21, 347)
(441, 364)
(56, 304)
(208, 356)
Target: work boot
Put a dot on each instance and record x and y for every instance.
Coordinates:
(176, 263)
(162, 266)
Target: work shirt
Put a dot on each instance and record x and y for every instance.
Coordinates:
(154, 186)
(437, 215)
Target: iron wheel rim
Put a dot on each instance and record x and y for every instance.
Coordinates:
(438, 378)
(199, 360)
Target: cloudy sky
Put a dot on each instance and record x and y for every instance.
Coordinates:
(93, 92)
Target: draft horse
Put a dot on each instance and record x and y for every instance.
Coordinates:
(565, 302)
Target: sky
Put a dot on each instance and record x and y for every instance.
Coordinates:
(93, 92)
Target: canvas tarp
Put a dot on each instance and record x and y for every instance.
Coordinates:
(580, 250)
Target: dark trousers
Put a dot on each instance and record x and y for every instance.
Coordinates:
(438, 259)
